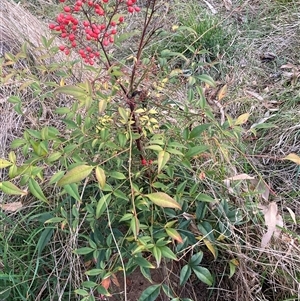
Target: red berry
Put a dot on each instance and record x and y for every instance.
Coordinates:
(105, 1)
(99, 11)
(67, 9)
(114, 31)
(144, 162)
(62, 0)
(113, 23)
(52, 26)
(62, 47)
(73, 44)
(64, 35)
(86, 23)
(121, 19)
(90, 3)
(111, 39)
(97, 54)
(88, 49)
(130, 9)
(105, 42)
(77, 8)
(78, 3)
(67, 51)
(137, 9)
(129, 2)
(72, 37)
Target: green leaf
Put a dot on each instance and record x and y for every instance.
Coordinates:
(14, 99)
(198, 130)
(135, 226)
(62, 110)
(54, 157)
(76, 174)
(117, 175)
(17, 143)
(163, 200)
(102, 204)
(232, 268)
(163, 158)
(203, 274)
(202, 197)
(174, 234)
(100, 175)
(142, 262)
(207, 79)
(56, 177)
(174, 151)
(196, 259)
(72, 190)
(81, 292)
(83, 251)
(4, 163)
(89, 284)
(168, 253)
(185, 274)
(94, 272)
(44, 239)
(154, 147)
(124, 114)
(157, 255)
(146, 273)
(10, 188)
(36, 190)
(168, 290)
(75, 91)
(150, 293)
(120, 194)
(196, 150)
(55, 220)
(126, 217)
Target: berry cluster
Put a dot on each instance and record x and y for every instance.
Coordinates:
(145, 162)
(85, 36)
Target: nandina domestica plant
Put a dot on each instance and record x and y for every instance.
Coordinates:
(90, 27)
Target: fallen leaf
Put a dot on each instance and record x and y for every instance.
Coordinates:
(202, 175)
(228, 4)
(268, 56)
(242, 119)
(292, 214)
(222, 93)
(261, 187)
(12, 207)
(106, 283)
(272, 219)
(115, 280)
(288, 66)
(242, 176)
(293, 157)
(254, 94)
